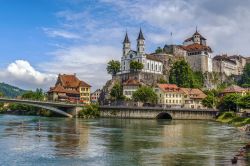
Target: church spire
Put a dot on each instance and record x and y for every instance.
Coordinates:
(140, 37)
(126, 39)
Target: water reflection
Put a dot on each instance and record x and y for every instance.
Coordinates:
(62, 141)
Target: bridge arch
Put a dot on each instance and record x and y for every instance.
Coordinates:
(164, 115)
(50, 108)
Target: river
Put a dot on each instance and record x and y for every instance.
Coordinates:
(29, 140)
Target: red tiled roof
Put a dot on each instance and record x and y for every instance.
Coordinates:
(131, 82)
(194, 93)
(233, 89)
(84, 84)
(69, 80)
(168, 87)
(197, 47)
(60, 89)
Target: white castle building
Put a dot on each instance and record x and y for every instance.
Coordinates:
(150, 63)
(199, 55)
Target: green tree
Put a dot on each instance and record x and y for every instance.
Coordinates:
(145, 94)
(229, 102)
(90, 111)
(37, 95)
(1, 94)
(113, 67)
(244, 101)
(116, 92)
(135, 66)
(159, 50)
(198, 79)
(182, 75)
(211, 100)
(245, 78)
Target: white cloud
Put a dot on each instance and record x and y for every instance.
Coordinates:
(21, 73)
(88, 62)
(60, 33)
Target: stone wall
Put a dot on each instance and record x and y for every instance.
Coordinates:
(153, 113)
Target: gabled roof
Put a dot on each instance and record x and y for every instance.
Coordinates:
(233, 89)
(60, 89)
(152, 57)
(169, 87)
(84, 84)
(192, 37)
(71, 81)
(140, 37)
(126, 39)
(194, 93)
(197, 47)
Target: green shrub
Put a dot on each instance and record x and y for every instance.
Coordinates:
(89, 111)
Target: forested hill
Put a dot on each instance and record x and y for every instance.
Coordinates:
(10, 91)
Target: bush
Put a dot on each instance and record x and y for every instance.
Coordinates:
(89, 111)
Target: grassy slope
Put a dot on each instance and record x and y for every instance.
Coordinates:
(232, 118)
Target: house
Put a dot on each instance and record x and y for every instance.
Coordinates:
(70, 88)
(233, 89)
(192, 98)
(169, 95)
(129, 87)
(95, 96)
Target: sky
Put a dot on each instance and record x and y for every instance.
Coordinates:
(41, 38)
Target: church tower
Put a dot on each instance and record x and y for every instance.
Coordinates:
(140, 43)
(197, 37)
(126, 45)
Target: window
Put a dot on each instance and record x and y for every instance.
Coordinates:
(148, 66)
(173, 95)
(156, 67)
(173, 101)
(152, 67)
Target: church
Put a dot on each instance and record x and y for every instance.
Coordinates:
(150, 63)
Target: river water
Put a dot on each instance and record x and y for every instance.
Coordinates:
(29, 140)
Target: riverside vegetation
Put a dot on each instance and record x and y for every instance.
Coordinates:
(233, 119)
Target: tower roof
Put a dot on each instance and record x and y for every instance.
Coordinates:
(140, 37)
(126, 39)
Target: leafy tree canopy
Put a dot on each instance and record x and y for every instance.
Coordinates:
(229, 102)
(182, 75)
(135, 66)
(116, 92)
(245, 78)
(113, 67)
(145, 94)
(244, 101)
(159, 50)
(37, 95)
(212, 98)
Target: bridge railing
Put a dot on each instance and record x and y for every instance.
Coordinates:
(40, 101)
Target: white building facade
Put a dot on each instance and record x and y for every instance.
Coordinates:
(150, 64)
(199, 55)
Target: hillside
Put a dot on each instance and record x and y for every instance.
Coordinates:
(10, 91)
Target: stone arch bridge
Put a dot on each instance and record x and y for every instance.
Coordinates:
(65, 109)
(157, 113)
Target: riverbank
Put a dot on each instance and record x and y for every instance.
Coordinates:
(233, 119)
